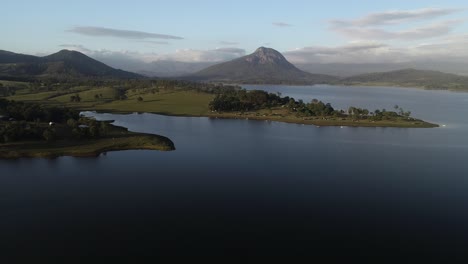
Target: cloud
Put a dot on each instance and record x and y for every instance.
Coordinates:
(193, 55)
(395, 17)
(451, 48)
(228, 43)
(119, 33)
(352, 53)
(77, 47)
(154, 42)
(375, 26)
(281, 24)
(230, 50)
(423, 32)
(184, 55)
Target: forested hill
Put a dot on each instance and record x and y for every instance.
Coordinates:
(411, 78)
(64, 64)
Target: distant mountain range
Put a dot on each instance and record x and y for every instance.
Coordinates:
(352, 69)
(63, 64)
(264, 66)
(411, 78)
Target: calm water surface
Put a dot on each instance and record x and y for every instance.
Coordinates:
(255, 187)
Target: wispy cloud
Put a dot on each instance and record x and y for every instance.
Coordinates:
(281, 24)
(133, 57)
(214, 55)
(360, 51)
(228, 43)
(153, 42)
(119, 33)
(231, 50)
(375, 26)
(451, 48)
(395, 17)
(75, 47)
(423, 32)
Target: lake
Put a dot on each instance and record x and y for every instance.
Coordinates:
(255, 187)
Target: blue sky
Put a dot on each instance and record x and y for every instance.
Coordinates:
(218, 30)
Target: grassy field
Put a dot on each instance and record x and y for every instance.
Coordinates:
(117, 139)
(21, 85)
(188, 103)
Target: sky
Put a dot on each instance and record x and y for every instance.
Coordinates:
(207, 31)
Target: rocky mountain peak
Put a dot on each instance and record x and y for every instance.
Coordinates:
(266, 56)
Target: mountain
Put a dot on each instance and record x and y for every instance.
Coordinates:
(351, 69)
(265, 65)
(63, 64)
(411, 78)
(11, 57)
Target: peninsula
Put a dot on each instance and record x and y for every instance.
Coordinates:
(29, 130)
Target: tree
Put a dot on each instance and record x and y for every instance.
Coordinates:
(75, 98)
(49, 134)
(103, 129)
(72, 123)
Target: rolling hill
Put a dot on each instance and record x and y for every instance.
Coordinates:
(411, 78)
(63, 64)
(264, 66)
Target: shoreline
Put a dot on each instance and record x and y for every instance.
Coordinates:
(332, 122)
(364, 85)
(86, 148)
(295, 120)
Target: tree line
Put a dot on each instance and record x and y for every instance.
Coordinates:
(30, 121)
(240, 100)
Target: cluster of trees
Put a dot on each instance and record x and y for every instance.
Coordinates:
(120, 93)
(378, 114)
(75, 98)
(22, 130)
(7, 90)
(35, 112)
(29, 121)
(314, 108)
(243, 100)
(15, 131)
(87, 128)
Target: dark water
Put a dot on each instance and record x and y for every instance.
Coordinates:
(255, 187)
